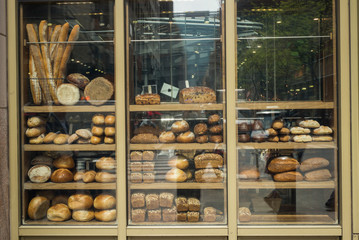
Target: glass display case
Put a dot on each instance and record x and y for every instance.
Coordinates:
(176, 117)
(287, 113)
(68, 159)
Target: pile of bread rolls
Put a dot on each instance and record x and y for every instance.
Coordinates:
(103, 129)
(288, 169)
(142, 167)
(311, 130)
(179, 169)
(180, 132)
(208, 167)
(165, 207)
(80, 207)
(36, 129)
(107, 173)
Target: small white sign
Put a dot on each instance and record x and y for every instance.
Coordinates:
(169, 90)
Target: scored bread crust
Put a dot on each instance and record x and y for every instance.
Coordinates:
(68, 94)
(60, 51)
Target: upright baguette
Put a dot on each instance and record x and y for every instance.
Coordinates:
(54, 38)
(46, 59)
(50, 29)
(36, 54)
(74, 35)
(34, 83)
(60, 51)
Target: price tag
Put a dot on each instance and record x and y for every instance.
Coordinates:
(169, 90)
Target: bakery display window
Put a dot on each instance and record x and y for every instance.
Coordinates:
(68, 154)
(286, 105)
(176, 131)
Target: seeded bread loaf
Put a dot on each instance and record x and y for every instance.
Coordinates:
(197, 95)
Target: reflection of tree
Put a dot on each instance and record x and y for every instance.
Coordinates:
(291, 62)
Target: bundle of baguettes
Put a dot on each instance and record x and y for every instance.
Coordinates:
(48, 60)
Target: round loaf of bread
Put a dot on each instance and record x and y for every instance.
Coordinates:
(84, 133)
(83, 215)
(39, 173)
(110, 131)
(98, 91)
(273, 139)
(79, 176)
(105, 177)
(89, 176)
(68, 94)
(106, 215)
(80, 201)
(216, 138)
(35, 131)
(244, 137)
(64, 161)
(106, 163)
(59, 213)
(214, 118)
(62, 175)
(109, 140)
(37, 140)
(271, 132)
(187, 137)
(284, 131)
(284, 138)
(277, 124)
(167, 137)
(97, 131)
(35, 121)
(38, 207)
(61, 139)
(202, 139)
(50, 137)
(180, 126)
(283, 164)
(110, 120)
(178, 162)
(59, 199)
(176, 175)
(216, 129)
(200, 129)
(96, 140)
(78, 80)
(98, 119)
(244, 127)
(104, 201)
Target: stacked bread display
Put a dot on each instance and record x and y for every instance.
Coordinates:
(36, 129)
(207, 167)
(142, 166)
(79, 206)
(106, 172)
(179, 169)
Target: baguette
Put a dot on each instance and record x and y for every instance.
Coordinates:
(34, 83)
(47, 62)
(36, 54)
(50, 29)
(74, 35)
(54, 38)
(60, 50)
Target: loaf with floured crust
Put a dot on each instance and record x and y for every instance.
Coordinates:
(60, 49)
(302, 138)
(98, 91)
(209, 175)
(145, 138)
(34, 82)
(197, 95)
(317, 175)
(313, 163)
(288, 177)
(322, 138)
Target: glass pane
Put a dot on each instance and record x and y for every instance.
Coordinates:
(176, 151)
(286, 113)
(68, 123)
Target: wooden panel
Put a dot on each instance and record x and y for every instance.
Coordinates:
(67, 147)
(68, 222)
(175, 107)
(70, 185)
(178, 146)
(166, 185)
(85, 108)
(286, 145)
(268, 184)
(284, 105)
(290, 219)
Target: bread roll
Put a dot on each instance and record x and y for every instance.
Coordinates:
(216, 138)
(73, 138)
(106, 215)
(64, 161)
(178, 162)
(39, 173)
(322, 138)
(38, 207)
(284, 138)
(95, 140)
(80, 201)
(283, 164)
(89, 176)
(83, 215)
(273, 139)
(213, 119)
(68, 94)
(84, 133)
(271, 132)
(104, 201)
(299, 130)
(110, 131)
(78, 80)
(106, 163)
(79, 176)
(97, 131)
(187, 137)
(61, 139)
(37, 140)
(109, 140)
(309, 124)
(277, 124)
(251, 173)
(180, 126)
(35, 132)
(288, 177)
(176, 175)
(50, 137)
(145, 138)
(302, 138)
(202, 139)
(62, 175)
(110, 120)
(200, 129)
(98, 119)
(284, 131)
(216, 129)
(167, 137)
(105, 177)
(59, 199)
(317, 175)
(58, 213)
(35, 121)
(313, 163)
(42, 160)
(98, 91)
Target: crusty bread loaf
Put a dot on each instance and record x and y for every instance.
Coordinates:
(186, 137)
(166, 199)
(106, 163)
(209, 175)
(104, 201)
(309, 124)
(210, 163)
(180, 126)
(176, 175)
(98, 91)
(288, 177)
(60, 51)
(62, 175)
(152, 201)
(39, 173)
(169, 214)
(37, 140)
(283, 164)
(64, 161)
(110, 120)
(50, 137)
(313, 163)
(34, 82)
(167, 137)
(317, 175)
(80, 201)
(83, 215)
(200, 129)
(251, 173)
(35, 132)
(138, 200)
(197, 95)
(54, 38)
(148, 99)
(145, 138)
(105, 177)
(78, 80)
(58, 213)
(38, 207)
(138, 215)
(89, 176)
(178, 161)
(68, 94)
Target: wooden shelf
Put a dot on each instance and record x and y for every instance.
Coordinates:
(178, 146)
(69, 147)
(289, 219)
(81, 108)
(147, 223)
(285, 145)
(68, 222)
(167, 185)
(284, 105)
(175, 107)
(269, 184)
(70, 185)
